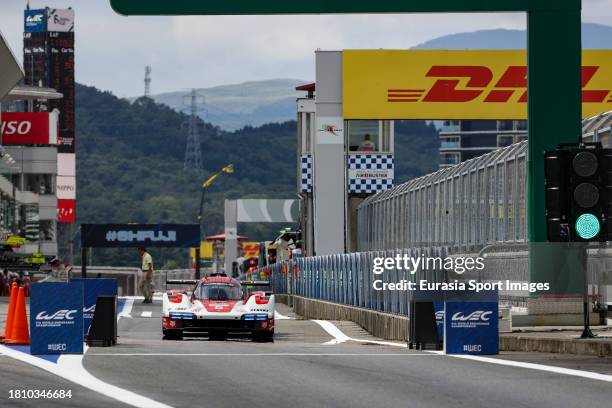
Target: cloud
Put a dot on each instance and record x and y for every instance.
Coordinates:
(202, 51)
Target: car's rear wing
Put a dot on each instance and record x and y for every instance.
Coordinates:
(255, 283)
(181, 281)
(249, 284)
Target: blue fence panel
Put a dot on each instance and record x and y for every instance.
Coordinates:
(348, 278)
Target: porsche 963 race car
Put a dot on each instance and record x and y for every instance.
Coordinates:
(219, 305)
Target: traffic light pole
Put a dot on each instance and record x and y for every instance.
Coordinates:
(586, 332)
(197, 251)
(551, 121)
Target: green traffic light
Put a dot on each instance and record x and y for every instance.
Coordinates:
(587, 226)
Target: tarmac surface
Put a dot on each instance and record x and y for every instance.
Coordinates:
(305, 367)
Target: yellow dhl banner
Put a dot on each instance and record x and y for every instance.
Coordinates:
(206, 251)
(250, 249)
(424, 84)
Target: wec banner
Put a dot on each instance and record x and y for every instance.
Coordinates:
(56, 318)
(471, 327)
(449, 84)
(34, 21)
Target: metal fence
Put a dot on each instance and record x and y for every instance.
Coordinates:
(479, 202)
(349, 279)
(598, 129)
(127, 278)
(160, 277)
(475, 203)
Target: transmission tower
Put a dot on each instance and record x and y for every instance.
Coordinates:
(193, 153)
(147, 82)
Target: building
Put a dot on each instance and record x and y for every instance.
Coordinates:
(346, 122)
(48, 59)
(341, 161)
(28, 207)
(305, 138)
(30, 138)
(461, 140)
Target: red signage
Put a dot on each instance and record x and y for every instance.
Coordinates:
(66, 211)
(29, 128)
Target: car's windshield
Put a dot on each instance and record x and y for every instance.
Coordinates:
(218, 291)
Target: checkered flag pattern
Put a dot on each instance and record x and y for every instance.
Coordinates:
(358, 163)
(306, 174)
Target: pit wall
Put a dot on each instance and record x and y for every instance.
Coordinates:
(393, 327)
(379, 324)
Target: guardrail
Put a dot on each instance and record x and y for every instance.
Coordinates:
(129, 278)
(475, 203)
(348, 278)
(478, 202)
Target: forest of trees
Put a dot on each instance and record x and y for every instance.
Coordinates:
(130, 167)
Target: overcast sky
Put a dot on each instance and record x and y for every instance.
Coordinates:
(203, 51)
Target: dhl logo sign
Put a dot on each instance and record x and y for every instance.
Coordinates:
(250, 249)
(511, 83)
(455, 84)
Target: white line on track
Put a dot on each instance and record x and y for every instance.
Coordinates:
(340, 337)
(157, 296)
(540, 367)
(127, 309)
(70, 367)
(332, 330)
(279, 316)
(257, 354)
(146, 313)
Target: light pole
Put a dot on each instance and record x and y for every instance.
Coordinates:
(229, 169)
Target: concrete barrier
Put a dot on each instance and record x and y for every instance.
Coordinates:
(379, 324)
(594, 347)
(394, 327)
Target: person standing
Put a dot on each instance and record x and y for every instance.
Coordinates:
(4, 283)
(367, 145)
(146, 286)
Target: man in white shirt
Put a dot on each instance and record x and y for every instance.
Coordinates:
(146, 285)
(367, 145)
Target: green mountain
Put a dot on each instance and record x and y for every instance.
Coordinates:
(130, 168)
(594, 37)
(234, 106)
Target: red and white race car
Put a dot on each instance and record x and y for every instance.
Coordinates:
(219, 305)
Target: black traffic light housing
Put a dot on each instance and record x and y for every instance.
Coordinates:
(578, 193)
(586, 213)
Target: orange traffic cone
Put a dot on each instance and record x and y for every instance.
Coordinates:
(20, 333)
(11, 312)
